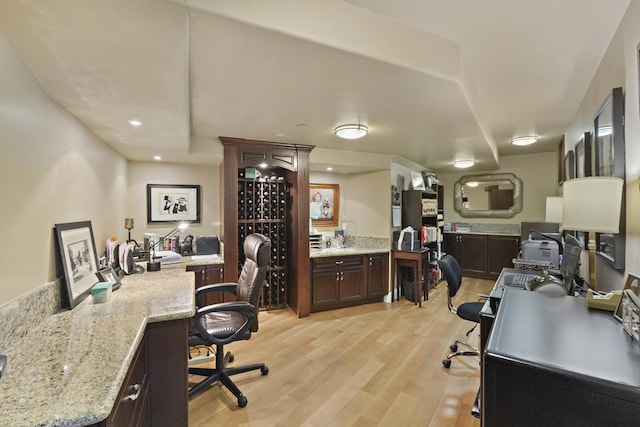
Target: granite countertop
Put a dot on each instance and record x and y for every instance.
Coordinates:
(345, 251)
(69, 370)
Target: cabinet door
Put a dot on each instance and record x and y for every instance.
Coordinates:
(352, 286)
(377, 275)
(209, 274)
(472, 253)
(450, 245)
(501, 251)
(325, 280)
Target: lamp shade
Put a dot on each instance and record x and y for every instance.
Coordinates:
(554, 210)
(592, 204)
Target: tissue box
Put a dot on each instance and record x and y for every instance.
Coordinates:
(101, 292)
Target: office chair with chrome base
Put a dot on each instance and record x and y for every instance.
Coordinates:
(468, 311)
(226, 322)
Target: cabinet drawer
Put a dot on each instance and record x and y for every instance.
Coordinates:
(331, 263)
(132, 405)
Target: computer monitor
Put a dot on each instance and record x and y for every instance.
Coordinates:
(570, 260)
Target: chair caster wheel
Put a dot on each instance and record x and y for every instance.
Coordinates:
(242, 401)
(231, 357)
(446, 363)
(454, 347)
(264, 370)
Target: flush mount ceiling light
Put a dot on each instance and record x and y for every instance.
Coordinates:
(134, 122)
(472, 184)
(462, 164)
(351, 131)
(524, 140)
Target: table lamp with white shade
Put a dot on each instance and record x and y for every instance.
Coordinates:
(593, 205)
(553, 212)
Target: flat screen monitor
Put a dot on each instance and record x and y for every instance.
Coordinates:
(570, 260)
(544, 227)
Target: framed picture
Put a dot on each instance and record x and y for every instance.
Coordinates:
(417, 181)
(632, 283)
(167, 204)
(569, 168)
(109, 275)
(323, 206)
(561, 161)
(77, 250)
(583, 156)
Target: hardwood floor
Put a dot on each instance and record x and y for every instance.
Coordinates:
(376, 364)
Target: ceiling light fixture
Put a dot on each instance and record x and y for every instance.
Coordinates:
(134, 122)
(329, 168)
(351, 131)
(463, 164)
(524, 140)
(472, 184)
(157, 158)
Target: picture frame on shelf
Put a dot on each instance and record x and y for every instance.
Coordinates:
(632, 283)
(77, 259)
(169, 204)
(109, 275)
(324, 203)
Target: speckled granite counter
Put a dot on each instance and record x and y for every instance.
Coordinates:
(69, 369)
(345, 251)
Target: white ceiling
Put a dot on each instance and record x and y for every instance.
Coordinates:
(433, 80)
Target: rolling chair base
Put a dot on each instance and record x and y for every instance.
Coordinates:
(222, 374)
(454, 347)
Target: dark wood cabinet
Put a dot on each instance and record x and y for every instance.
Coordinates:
(501, 252)
(377, 275)
(481, 255)
(154, 392)
(283, 165)
(209, 274)
(342, 281)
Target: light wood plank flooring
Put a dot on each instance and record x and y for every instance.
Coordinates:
(376, 364)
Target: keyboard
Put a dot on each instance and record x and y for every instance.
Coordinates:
(518, 280)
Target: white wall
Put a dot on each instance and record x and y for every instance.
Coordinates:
(52, 170)
(539, 175)
(143, 173)
(619, 67)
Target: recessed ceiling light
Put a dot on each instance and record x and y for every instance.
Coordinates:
(524, 140)
(462, 164)
(263, 165)
(157, 158)
(134, 122)
(351, 131)
(279, 135)
(329, 168)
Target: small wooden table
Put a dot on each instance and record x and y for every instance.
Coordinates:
(419, 262)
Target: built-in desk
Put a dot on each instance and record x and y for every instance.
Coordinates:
(73, 368)
(550, 360)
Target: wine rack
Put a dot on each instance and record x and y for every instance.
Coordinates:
(263, 206)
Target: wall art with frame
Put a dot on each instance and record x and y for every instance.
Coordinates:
(78, 262)
(324, 200)
(168, 204)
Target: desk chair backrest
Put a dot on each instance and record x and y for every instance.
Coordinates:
(453, 275)
(250, 282)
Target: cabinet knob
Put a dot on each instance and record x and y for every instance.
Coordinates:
(134, 396)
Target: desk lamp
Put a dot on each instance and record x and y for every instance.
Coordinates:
(154, 265)
(592, 204)
(128, 224)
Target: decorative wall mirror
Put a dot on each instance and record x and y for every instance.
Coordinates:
(488, 196)
(609, 161)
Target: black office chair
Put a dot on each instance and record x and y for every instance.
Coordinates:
(227, 322)
(468, 311)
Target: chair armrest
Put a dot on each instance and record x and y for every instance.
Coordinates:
(217, 287)
(242, 307)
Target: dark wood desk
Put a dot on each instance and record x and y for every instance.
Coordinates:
(550, 360)
(419, 262)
